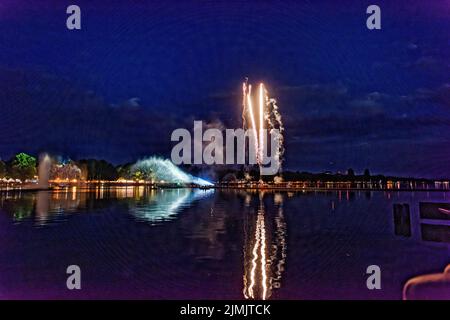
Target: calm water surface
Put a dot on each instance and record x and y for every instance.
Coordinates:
(195, 244)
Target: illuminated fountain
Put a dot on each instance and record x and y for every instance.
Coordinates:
(44, 171)
(163, 170)
(165, 205)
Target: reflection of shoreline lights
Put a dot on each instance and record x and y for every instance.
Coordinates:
(280, 248)
(147, 205)
(266, 274)
(260, 243)
(255, 257)
(263, 257)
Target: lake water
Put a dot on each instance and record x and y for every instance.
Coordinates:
(211, 244)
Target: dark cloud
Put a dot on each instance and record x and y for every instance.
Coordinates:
(439, 96)
(334, 126)
(41, 112)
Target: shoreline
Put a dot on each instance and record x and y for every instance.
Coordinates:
(216, 187)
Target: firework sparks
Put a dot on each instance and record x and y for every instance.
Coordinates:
(252, 116)
(244, 104)
(262, 105)
(268, 113)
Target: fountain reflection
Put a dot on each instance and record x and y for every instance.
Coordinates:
(264, 251)
(164, 205)
(148, 205)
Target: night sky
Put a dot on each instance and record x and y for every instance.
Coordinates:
(349, 96)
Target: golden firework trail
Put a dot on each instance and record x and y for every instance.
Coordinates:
(262, 105)
(252, 116)
(244, 104)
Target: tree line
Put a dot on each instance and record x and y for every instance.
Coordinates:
(24, 167)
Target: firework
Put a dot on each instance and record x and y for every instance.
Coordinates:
(262, 105)
(252, 118)
(268, 113)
